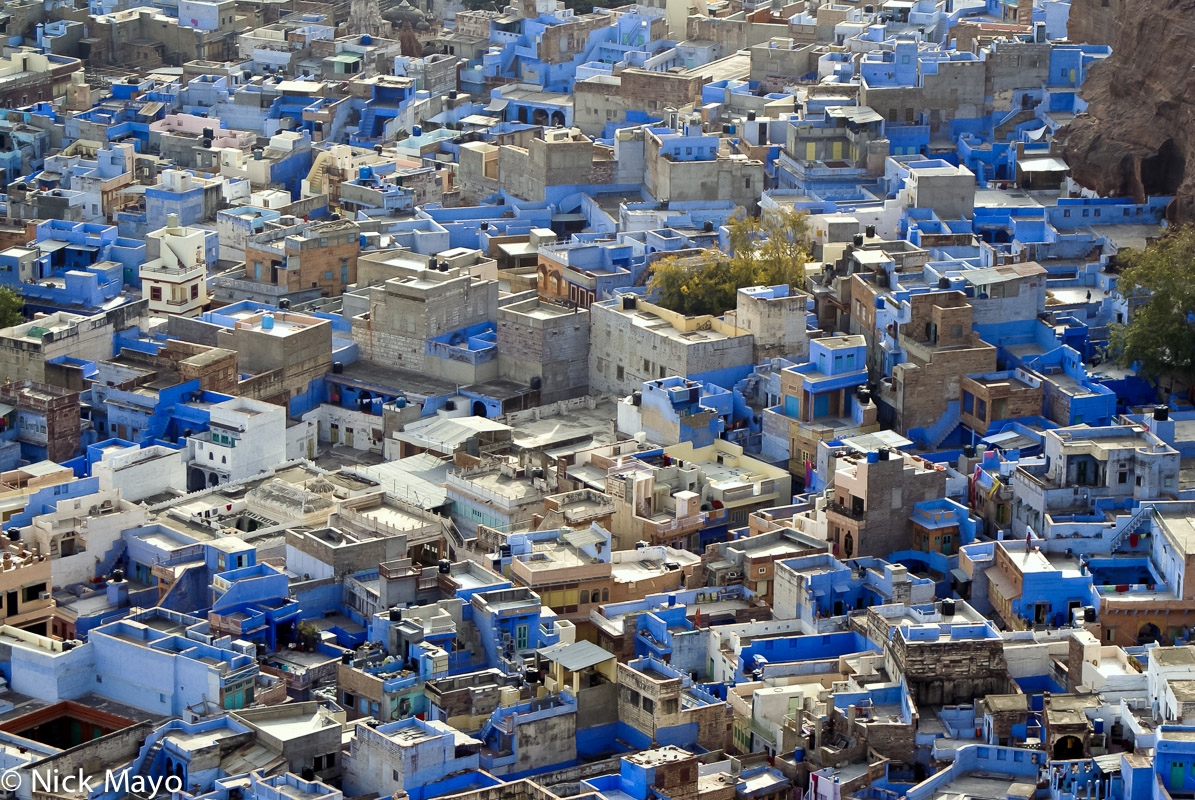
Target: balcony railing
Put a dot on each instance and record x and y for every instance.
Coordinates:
(683, 523)
(846, 511)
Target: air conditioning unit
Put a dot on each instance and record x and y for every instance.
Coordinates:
(43, 595)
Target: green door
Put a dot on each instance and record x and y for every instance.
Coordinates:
(1177, 772)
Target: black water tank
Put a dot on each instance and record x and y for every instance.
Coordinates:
(284, 304)
(396, 615)
(377, 148)
(346, 658)
(117, 575)
(1161, 413)
(871, 231)
(969, 450)
(535, 383)
(1089, 613)
(452, 94)
(883, 454)
(944, 283)
(863, 394)
(207, 143)
(629, 301)
(948, 608)
(636, 398)
(708, 227)
(858, 240)
(751, 116)
(14, 534)
(209, 133)
(450, 405)
(337, 367)
(445, 566)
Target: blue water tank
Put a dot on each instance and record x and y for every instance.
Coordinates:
(416, 130)
(267, 322)
(873, 457)
(365, 173)
(366, 39)
(400, 402)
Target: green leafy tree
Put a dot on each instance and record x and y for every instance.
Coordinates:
(10, 308)
(1160, 336)
(308, 636)
(763, 251)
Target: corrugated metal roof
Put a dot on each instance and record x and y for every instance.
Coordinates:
(576, 656)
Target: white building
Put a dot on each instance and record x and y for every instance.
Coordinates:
(246, 437)
(140, 472)
(176, 281)
(78, 536)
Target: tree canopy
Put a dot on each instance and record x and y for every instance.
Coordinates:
(762, 251)
(10, 308)
(1159, 337)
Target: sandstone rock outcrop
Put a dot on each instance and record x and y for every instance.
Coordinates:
(1137, 137)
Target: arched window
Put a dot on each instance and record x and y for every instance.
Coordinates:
(584, 597)
(605, 595)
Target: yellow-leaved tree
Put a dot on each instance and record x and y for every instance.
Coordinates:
(768, 250)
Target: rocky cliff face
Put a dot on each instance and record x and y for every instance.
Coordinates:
(1096, 21)
(1138, 135)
